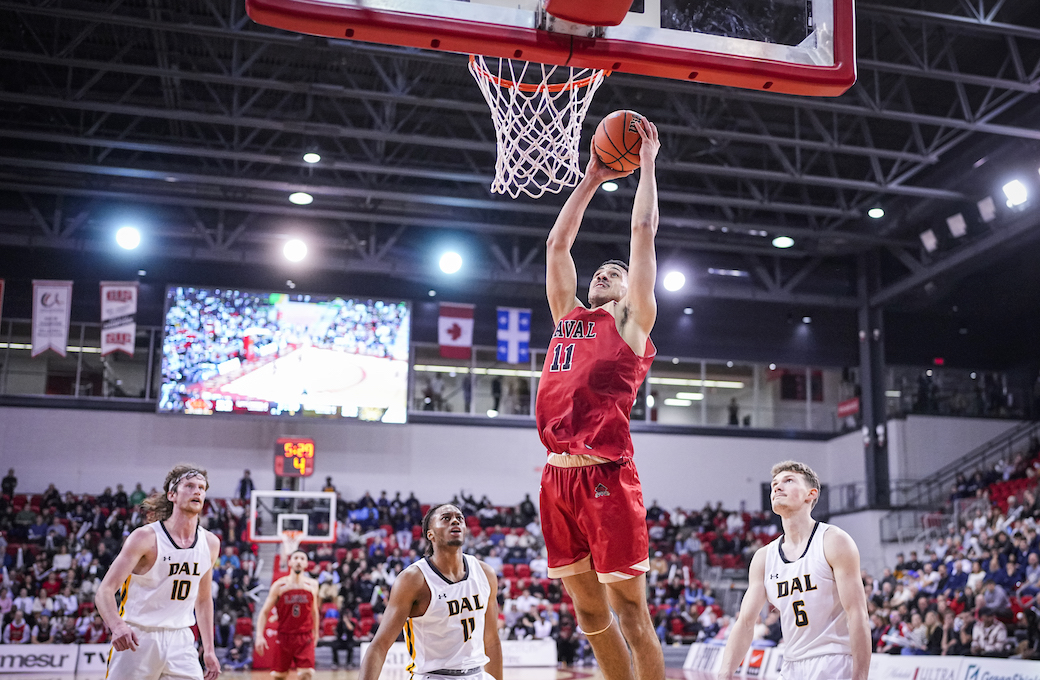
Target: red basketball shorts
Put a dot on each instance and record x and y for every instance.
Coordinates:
(593, 518)
(294, 648)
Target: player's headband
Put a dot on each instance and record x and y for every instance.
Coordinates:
(190, 473)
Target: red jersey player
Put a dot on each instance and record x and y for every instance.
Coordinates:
(295, 598)
(593, 516)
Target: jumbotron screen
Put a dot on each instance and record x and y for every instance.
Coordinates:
(228, 351)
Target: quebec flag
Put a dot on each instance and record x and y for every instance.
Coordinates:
(514, 335)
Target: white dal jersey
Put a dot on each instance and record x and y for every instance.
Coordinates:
(450, 635)
(802, 588)
(164, 596)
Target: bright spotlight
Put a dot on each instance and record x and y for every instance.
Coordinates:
(783, 242)
(492, 413)
(311, 158)
(673, 281)
(650, 401)
(128, 237)
(876, 213)
(609, 186)
(295, 250)
(806, 319)
(1016, 193)
(451, 262)
(301, 198)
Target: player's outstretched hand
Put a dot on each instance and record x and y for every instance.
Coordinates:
(123, 638)
(212, 665)
(651, 141)
(598, 172)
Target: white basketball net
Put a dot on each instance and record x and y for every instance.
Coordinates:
(537, 122)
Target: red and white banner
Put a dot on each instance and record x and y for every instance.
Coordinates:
(118, 316)
(455, 330)
(849, 407)
(52, 306)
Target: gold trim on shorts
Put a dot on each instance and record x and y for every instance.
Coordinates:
(572, 460)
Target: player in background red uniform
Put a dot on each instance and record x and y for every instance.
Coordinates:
(593, 516)
(295, 599)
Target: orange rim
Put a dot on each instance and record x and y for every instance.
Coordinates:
(525, 87)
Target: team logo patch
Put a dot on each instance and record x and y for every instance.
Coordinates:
(601, 491)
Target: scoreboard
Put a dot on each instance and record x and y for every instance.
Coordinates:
(294, 457)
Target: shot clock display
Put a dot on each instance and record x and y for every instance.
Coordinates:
(294, 457)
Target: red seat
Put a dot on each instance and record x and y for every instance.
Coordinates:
(364, 627)
(523, 570)
(364, 610)
(324, 565)
(341, 555)
(327, 607)
(677, 627)
(244, 626)
(328, 627)
(508, 571)
(416, 532)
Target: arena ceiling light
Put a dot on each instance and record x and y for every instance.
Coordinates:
(690, 396)
(128, 237)
(987, 209)
(311, 158)
(807, 320)
(783, 242)
(929, 240)
(451, 262)
(609, 187)
(674, 281)
(957, 225)
(294, 250)
(301, 198)
(876, 213)
(677, 402)
(1016, 193)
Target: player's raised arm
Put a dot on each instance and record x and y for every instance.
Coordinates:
(843, 556)
(136, 547)
(403, 596)
(561, 276)
(204, 611)
(492, 643)
(743, 629)
(260, 637)
(642, 267)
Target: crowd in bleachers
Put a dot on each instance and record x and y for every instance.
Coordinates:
(973, 592)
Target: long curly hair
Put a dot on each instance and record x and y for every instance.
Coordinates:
(158, 506)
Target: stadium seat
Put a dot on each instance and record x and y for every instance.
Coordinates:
(364, 627)
(364, 610)
(523, 570)
(416, 532)
(328, 627)
(329, 607)
(508, 571)
(341, 555)
(244, 626)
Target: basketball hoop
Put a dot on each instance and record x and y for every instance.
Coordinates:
(538, 110)
(291, 540)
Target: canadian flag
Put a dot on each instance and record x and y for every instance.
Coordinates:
(455, 330)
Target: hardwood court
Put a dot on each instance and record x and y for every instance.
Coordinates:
(510, 674)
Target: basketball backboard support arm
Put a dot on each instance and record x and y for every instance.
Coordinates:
(823, 64)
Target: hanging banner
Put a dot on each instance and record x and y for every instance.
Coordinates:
(118, 316)
(52, 305)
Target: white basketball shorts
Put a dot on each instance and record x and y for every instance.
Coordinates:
(824, 667)
(161, 653)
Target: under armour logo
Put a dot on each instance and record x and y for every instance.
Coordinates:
(167, 558)
(442, 596)
(601, 491)
(773, 577)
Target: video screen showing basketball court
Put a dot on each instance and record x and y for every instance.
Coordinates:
(247, 352)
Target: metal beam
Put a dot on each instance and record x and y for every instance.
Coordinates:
(965, 257)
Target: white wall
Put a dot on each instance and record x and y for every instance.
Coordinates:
(88, 450)
(921, 445)
(85, 451)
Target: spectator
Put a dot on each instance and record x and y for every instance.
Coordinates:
(9, 484)
(990, 636)
(245, 486)
(18, 631)
(42, 632)
(959, 643)
(239, 655)
(137, 496)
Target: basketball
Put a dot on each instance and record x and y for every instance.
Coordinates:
(617, 141)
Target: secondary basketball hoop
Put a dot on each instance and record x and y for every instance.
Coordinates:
(537, 110)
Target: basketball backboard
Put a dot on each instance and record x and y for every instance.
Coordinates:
(273, 512)
(793, 46)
